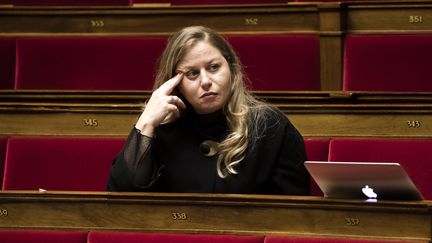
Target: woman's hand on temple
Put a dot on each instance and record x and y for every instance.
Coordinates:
(162, 107)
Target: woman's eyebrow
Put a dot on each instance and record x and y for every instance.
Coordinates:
(192, 66)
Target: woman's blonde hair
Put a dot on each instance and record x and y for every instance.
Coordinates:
(243, 111)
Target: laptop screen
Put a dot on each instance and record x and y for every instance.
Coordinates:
(363, 180)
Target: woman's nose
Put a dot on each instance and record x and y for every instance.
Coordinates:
(205, 80)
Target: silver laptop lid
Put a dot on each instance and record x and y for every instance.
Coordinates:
(363, 180)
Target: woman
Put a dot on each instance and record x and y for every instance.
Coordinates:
(202, 131)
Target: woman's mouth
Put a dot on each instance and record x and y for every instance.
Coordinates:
(208, 95)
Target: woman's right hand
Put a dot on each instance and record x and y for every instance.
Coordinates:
(162, 107)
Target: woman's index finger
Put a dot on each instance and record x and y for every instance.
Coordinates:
(169, 86)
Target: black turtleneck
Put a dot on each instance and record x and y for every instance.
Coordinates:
(213, 126)
(172, 160)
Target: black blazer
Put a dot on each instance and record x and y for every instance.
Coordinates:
(274, 165)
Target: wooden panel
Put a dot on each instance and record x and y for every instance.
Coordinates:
(69, 112)
(309, 123)
(331, 62)
(331, 46)
(149, 21)
(216, 214)
(382, 124)
(65, 123)
(324, 114)
(393, 17)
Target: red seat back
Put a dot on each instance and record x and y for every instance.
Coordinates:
(42, 236)
(280, 62)
(7, 63)
(88, 63)
(205, 2)
(165, 2)
(316, 149)
(336, 0)
(388, 63)
(291, 239)
(124, 237)
(70, 2)
(3, 141)
(59, 163)
(414, 155)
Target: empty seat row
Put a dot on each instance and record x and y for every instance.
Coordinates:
(388, 63)
(83, 164)
(52, 236)
(128, 63)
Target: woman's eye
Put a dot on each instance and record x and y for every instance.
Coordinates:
(214, 67)
(192, 74)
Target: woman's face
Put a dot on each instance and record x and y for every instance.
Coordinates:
(206, 83)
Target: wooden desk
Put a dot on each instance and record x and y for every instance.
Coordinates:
(216, 214)
(315, 114)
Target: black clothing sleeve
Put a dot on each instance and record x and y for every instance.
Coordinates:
(290, 175)
(133, 169)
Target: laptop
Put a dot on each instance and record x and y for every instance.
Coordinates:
(363, 180)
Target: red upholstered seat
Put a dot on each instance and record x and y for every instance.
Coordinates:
(42, 236)
(290, 239)
(280, 62)
(335, 0)
(388, 63)
(151, 1)
(414, 155)
(190, 2)
(317, 149)
(123, 237)
(7, 63)
(88, 63)
(3, 141)
(71, 2)
(59, 163)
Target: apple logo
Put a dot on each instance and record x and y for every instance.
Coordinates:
(369, 192)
